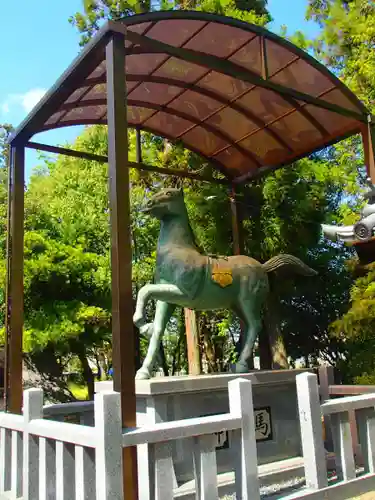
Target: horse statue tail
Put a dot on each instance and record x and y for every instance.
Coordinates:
(288, 260)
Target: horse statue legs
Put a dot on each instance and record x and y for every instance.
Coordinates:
(247, 307)
(163, 313)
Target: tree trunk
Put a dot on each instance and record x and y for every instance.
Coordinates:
(180, 343)
(272, 330)
(209, 350)
(176, 355)
(163, 361)
(103, 365)
(265, 354)
(87, 372)
(98, 367)
(46, 372)
(279, 354)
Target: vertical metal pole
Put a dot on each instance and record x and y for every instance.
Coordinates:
(238, 247)
(7, 283)
(138, 146)
(326, 378)
(236, 224)
(368, 137)
(137, 340)
(121, 251)
(14, 285)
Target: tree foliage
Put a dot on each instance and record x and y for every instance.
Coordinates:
(96, 12)
(5, 130)
(355, 329)
(347, 44)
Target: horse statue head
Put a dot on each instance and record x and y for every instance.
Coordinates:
(167, 202)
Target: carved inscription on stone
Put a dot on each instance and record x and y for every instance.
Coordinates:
(263, 424)
(263, 428)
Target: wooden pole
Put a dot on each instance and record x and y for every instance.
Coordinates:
(121, 252)
(14, 285)
(192, 341)
(326, 378)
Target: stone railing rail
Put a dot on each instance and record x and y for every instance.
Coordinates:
(350, 390)
(311, 411)
(328, 389)
(82, 410)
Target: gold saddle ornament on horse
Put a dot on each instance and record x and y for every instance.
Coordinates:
(221, 272)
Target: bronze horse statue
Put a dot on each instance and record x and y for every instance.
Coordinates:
(186, 278)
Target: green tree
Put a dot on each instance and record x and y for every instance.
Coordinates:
(67, 297)
(355, 329)
(96, 12)
(346, 44)
(5, 130)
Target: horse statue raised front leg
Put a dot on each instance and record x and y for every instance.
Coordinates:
(186, 278)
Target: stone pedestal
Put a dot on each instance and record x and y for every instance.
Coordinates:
(164, 399)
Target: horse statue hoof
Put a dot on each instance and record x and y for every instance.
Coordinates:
(142, 375)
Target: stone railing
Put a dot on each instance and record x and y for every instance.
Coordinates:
(80, 412)
(42, 458)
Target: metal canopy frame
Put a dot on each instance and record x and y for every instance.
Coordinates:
(111, 46)
(81, 76)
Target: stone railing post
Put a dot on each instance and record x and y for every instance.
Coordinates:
(311, 430)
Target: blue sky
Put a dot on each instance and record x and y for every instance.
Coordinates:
(38, 44)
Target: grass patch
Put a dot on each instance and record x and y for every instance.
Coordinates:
(78, 391)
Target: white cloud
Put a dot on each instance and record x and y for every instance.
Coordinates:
(27, 100)
(5, 108)
(31, 98)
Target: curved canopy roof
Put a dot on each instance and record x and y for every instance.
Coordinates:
(235, 93)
